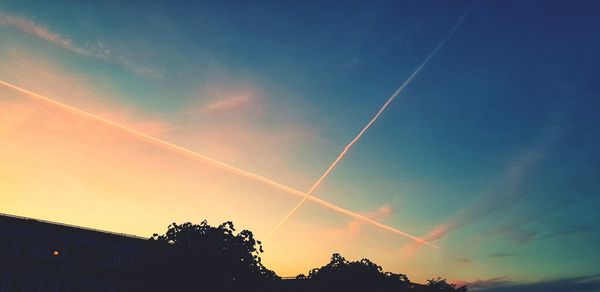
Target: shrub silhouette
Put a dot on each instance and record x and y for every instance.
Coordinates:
(364, 275)
(192, 257)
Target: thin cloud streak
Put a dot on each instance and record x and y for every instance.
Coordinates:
(501, 198)
(588, 283)
(98, 52)
(502, 254)
(477, 285)
(32, 28)
(219, 164)
(366, 127)
(228, 104)
(496, 200)
(572, 230)
(513, 231)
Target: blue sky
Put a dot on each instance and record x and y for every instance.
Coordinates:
(492, 151)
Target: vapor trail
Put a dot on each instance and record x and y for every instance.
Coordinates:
(366, 127)
(219, 164)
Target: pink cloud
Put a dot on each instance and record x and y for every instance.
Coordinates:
(439, 231)
(32, 28)
(234, 120)
(227, 94)
(228, 104)
(354, 227)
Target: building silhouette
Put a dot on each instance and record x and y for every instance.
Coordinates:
(37, 255)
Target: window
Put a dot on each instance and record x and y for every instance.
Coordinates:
(4, 284)
(105, 288)
(31, 286)
(126, 259)
(49, 249)
(110, 257)
(8, 245)
(51, 286)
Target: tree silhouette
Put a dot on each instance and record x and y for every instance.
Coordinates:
(200, 257)
(341, 274)
(439, 284)
(192, 257)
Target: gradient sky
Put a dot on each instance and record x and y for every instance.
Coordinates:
(492, 152)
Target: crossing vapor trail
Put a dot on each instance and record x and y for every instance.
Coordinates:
(197, 156)
(367, 126)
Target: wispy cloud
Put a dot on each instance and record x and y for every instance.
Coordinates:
(32, 28)
(515, 230)
(584, 283)
(226, 93)
(519, 233)
(570, 230)
(98, 51)
(228, 104)
(477, 285)
(503, 196)
(231, 118)
(41, 74)
(463, 260)
(501, 254)
(354, 227)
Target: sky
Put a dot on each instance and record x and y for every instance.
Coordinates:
(491, 152)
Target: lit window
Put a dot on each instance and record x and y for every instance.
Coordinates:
(48, 249)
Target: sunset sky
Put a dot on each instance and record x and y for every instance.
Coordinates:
(492, 152)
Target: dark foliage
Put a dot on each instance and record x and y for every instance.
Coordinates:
(341, 274)
(199, 255)
(439, 284)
